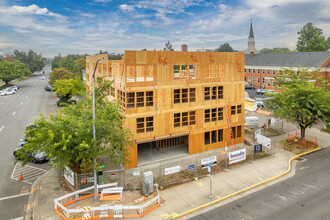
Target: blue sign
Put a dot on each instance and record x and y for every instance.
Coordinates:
(191, 167)
(257, 148)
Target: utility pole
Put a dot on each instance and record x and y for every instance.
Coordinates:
(94, 132)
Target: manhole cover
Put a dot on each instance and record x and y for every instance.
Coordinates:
(300, 159)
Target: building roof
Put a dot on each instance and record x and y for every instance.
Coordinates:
(251, 31)
(310, 59)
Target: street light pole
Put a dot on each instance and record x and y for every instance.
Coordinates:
(94, 132)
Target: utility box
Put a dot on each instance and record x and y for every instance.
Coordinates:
(147, 183)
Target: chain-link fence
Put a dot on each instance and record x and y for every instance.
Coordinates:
(179, 170)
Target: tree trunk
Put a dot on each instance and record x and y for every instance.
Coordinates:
(7, 82)
(302, 133)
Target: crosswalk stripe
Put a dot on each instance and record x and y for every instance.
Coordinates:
(29, 173)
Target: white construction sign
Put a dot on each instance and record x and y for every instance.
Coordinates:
(237, 156)
(209, 160)
(171, 170)
(265, 141)
(69, 175)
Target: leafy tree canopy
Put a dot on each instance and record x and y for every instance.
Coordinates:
(12, 70)
(34, 61)
(276, 50)
(168, 46)
(311, 39)
(66, 88)
(67, 137)
(224, 48)
(61, 73)
(72, 62)
(303, 98)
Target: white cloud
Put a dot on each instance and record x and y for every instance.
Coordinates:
(32, 9)
(125, 7)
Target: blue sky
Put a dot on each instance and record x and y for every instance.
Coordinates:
(51, 27)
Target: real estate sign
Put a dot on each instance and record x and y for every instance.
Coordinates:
(237, 156)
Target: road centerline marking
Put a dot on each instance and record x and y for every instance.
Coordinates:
(21, 103)
(2, 128)
(14, 113)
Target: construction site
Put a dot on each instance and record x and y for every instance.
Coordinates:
(176, 103)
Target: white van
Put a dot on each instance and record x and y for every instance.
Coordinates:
(251, 122)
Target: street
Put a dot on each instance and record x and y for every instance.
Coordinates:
(303, 196)
(16, 112)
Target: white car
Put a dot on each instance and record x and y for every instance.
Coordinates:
(13, 87)
(43, 78)
(9, 91)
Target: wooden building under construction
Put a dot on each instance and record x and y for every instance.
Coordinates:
(187, 100)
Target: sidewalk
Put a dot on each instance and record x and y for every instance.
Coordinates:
(184, 197)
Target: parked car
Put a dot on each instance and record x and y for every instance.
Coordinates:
(49, 88)
(248, 86)
(260, 103)
(23, 141)
(14, 87)
(261, 91)
(9, 91)
(43, 78)
(37, 157)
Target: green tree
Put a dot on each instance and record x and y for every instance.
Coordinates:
(224, 48)
(56, 62)
(328, 41)
(311, 39)
(67, 137)
(61, 73)
(34, 61)
(66, 88)
(168, 46)
(301, 101)
(12, 70)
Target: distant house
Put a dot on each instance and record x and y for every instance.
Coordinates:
(8, 58)
(260, 69)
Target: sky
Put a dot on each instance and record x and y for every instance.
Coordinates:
(51, 27)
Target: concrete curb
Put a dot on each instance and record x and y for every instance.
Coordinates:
(33, 198)
(245, 189)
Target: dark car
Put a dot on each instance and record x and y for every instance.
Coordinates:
(248, 86)
(37, 157)
(49, 88)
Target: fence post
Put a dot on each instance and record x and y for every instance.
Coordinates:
(275, 148)
(226, 158)
(196, 174)
(160, 176)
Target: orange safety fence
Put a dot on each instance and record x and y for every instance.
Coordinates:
(307, 142)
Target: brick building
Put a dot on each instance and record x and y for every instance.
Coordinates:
(260, 69)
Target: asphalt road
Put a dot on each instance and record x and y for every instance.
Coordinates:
(252, 94)
(306, 195)
(16, 112)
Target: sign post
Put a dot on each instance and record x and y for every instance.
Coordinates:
(209, 170)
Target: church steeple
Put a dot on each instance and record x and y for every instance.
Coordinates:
(251, 42)
(251, 31)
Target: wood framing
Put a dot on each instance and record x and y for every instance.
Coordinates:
(167, 93)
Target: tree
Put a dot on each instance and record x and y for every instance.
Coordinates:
(61, 73)
(276, 50)
(303, 98)
(168, 46)
(311, 39)
(328, 41)
(66, 88)
(34, 61)
(67, 137)
(224, 48)
(12, 70)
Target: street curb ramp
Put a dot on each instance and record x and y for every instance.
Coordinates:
(245, 189)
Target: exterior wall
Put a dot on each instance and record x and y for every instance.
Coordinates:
(142, 72)
(252, 73)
